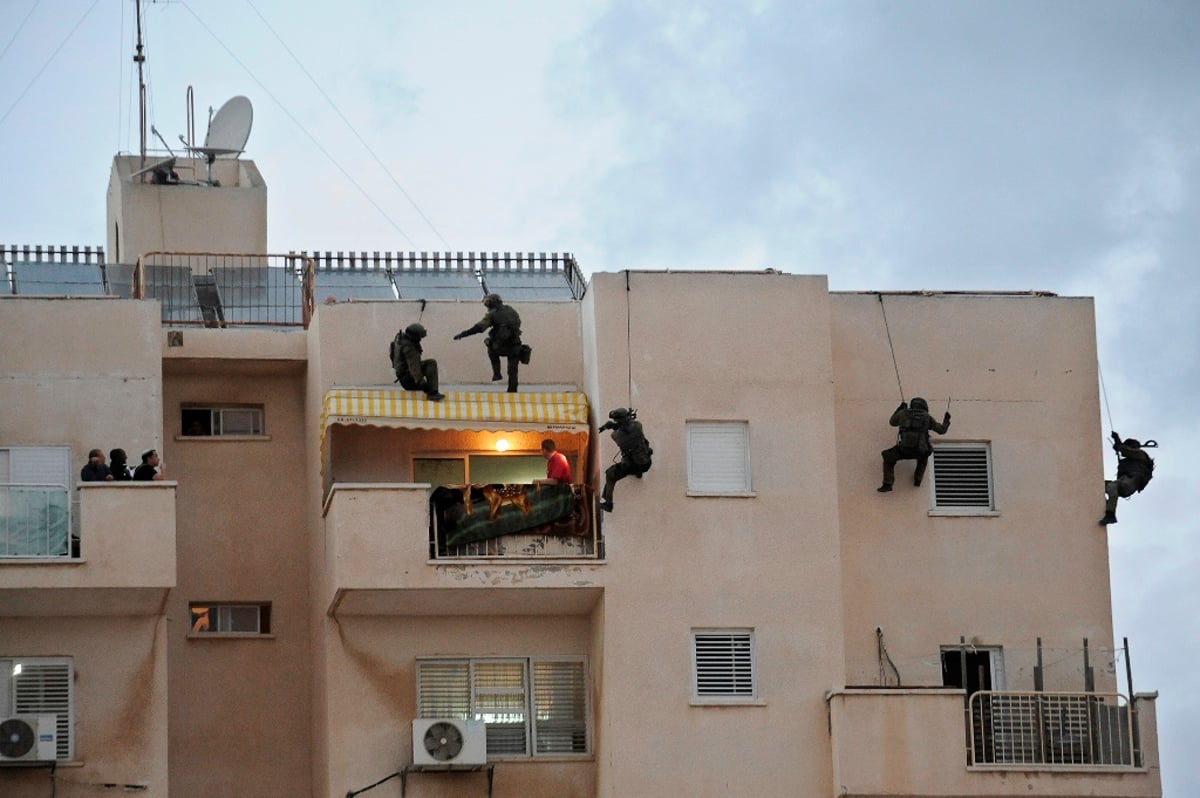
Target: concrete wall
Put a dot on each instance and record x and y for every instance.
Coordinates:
(1020, 375)
(240, 706)
(675, 347)
(142, 217)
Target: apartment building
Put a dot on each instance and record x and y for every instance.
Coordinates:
(336, 591)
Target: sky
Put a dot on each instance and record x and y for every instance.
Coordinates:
(951, 145)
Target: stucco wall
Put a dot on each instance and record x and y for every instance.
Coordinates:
(1019, 373)
(240, 707)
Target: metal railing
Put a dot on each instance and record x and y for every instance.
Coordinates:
(35, 521)
(227, 289)
(1086, 731)
(576, 538)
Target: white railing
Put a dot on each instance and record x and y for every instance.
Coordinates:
(35, 521)
(1085, 731)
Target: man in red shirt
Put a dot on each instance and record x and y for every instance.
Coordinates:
(558, 470)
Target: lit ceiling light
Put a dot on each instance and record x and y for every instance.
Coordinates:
(502, 445)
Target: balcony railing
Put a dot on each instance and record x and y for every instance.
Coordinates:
(35, 521)
(1060, 730)
(226, 290)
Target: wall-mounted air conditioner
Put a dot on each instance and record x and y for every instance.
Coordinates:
(28, 738)
(449, 741)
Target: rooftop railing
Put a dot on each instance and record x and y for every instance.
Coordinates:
(1027, 730)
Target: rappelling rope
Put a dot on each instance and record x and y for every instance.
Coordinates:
(890, 346)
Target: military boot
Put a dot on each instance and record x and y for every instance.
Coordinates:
(885, 488)
(1109, 518)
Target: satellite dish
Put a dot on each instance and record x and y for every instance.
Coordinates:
(228, 131)
(229, 128)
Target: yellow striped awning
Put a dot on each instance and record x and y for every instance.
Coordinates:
(491, 411)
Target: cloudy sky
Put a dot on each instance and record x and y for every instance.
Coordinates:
(941, 145)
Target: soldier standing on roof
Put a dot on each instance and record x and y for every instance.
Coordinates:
(1135, 469)
(504, 340)
(912, 442)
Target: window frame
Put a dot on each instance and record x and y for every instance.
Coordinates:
(530, 693)
(49, 470)
(938, 509)
(702, 698)
(216, 413)
(695, 430)
(196, 609)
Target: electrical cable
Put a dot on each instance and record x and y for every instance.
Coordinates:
(302, 128)
(342, 116)
(49, 60)
(17, 32)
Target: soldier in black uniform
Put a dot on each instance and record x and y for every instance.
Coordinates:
(1135, 469)
(504, 340)
(635, 452)
(912, 442)
(412, 372)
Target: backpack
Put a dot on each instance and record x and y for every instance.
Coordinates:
(914, 431)
(506, 326)
(394, 351)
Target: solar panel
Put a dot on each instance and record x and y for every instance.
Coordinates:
(57, 279)
(528, 285)
(343, 284)
(259, 294)
(449, 284)
(172, 286)
(119, 278)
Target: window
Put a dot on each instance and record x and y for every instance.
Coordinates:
(724, 666)
(962, 477)
(718, 458)
(480, 468)
(41, 686)
(231, 619)
(536, 706)
(35, 517)
(221, 421)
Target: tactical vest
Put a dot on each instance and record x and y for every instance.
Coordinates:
(633, 445)
(914, 431)
(1139, 469)
(506, 327)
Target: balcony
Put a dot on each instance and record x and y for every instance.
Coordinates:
(384, 555)
(122, 563)
(921, 742)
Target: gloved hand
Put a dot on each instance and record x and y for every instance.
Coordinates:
(946, 419)
(1116, 438)
(459, 336)
(903, 406)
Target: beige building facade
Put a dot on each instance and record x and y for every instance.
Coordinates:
(296, 609)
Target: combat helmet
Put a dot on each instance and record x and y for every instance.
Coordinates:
(492, 301)
(621, 414)
(416, 331)
(918, 403)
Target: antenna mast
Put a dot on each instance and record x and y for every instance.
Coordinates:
(139, 58)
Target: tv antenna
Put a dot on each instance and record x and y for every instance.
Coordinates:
(228, 131)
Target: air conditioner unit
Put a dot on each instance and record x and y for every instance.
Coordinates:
(28, 738)
(449, 741)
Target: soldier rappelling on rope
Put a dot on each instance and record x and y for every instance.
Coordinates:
(1135, 469)
(635, 452)
(912, 441)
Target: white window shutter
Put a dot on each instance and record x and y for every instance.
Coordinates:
(718, 457)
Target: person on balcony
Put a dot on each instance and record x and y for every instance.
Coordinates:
(635, 452)
(504, 339)
(412, 372)
(149, 469)
(1135, 469)
(912, 441)
(95, 470)
(118, 466)
(558, 470)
